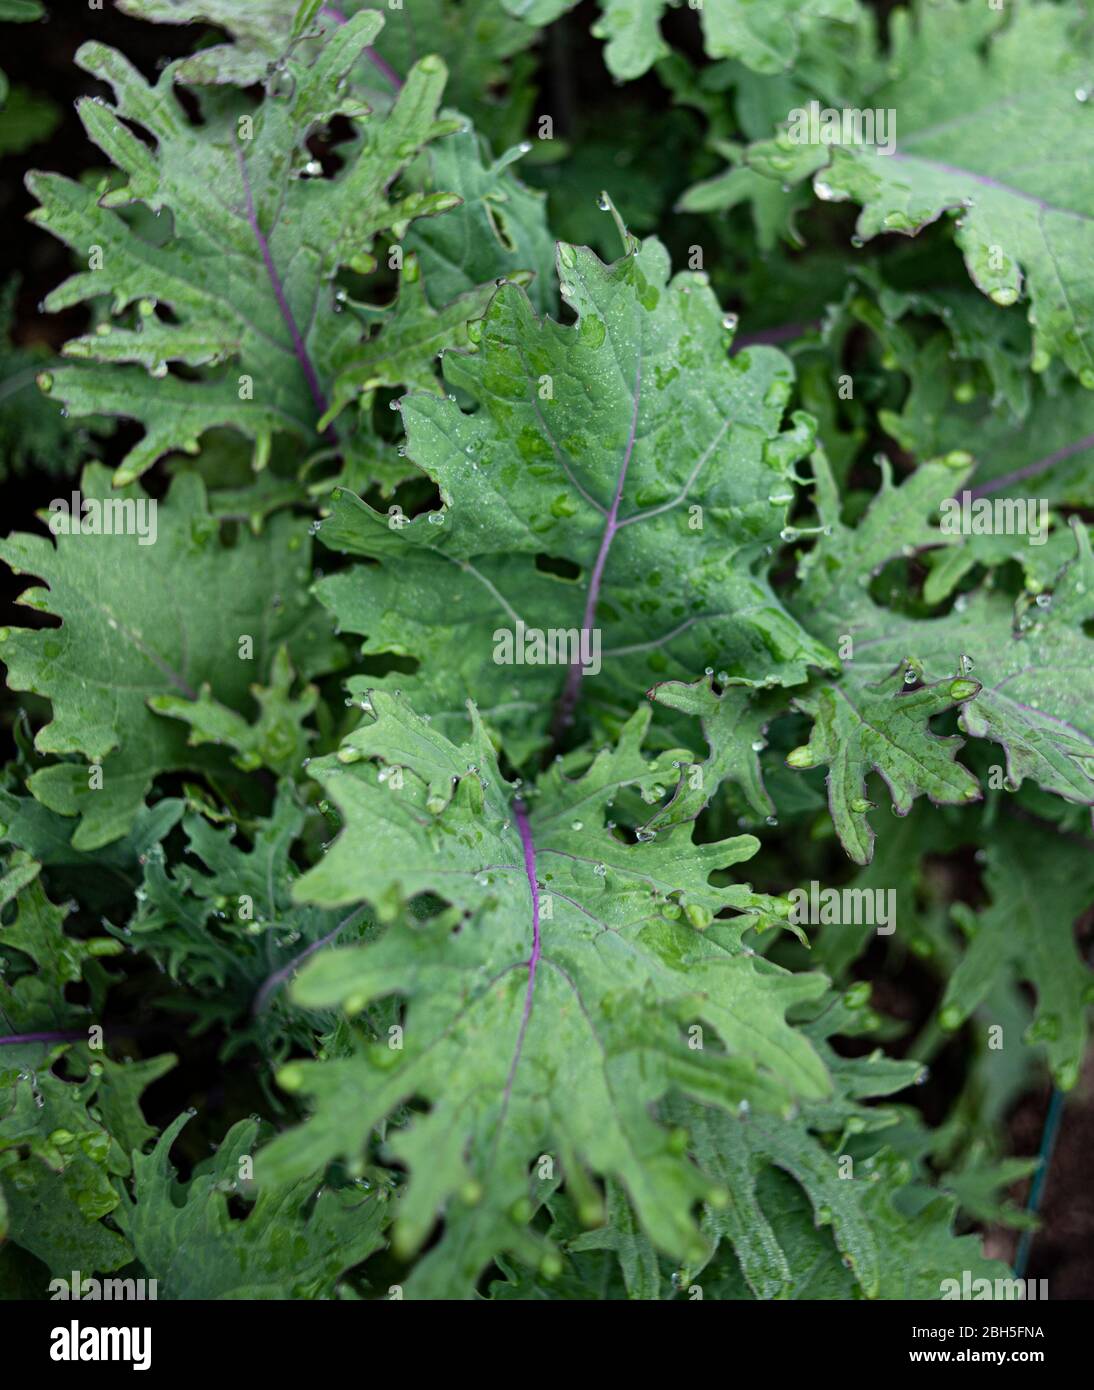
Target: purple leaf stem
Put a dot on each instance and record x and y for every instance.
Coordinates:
(568, 702)
(1032, 470)
(520, 815)
(278, 978)
(299, 347)
(379, 63)
(61, 1035)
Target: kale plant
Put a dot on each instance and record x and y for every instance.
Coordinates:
(554, 684)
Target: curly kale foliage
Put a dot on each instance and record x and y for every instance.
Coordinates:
(479, 629)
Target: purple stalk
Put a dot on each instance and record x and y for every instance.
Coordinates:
(61, 1036)
(986, 181)
(384, 68)
(299, 347)
(520, 815)
(381, 64)
(781, 333)
(566, 705)
(1031, 470)
(278, 978)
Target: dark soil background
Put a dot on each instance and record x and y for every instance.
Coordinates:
(41, 56)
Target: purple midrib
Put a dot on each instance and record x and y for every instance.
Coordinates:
(520, 815)
(566, 705)
(299, 346)
(63, 1035)
(1032, 470)
(568, 701)
(381, 64)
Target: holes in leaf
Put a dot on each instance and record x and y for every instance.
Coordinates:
(498, 226)
(386, 663)
(321, 146)
(558, 565)
(238, 1208)
(188, 100)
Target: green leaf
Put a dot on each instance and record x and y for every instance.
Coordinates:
(980, 1187)
(253, 246)
(411, 335)
(21, 11)
(262, 30)
(567, 963)
(484, 50)
(232, 923)
(63, 1147)
(103, 875)
(916, 1228)
(277, 739)
(474, 37)
(628, 445)
(811, 1146)
(26, 120)
(33, 432)
(1027, 867)
(884, 727)
(978, 405)
(295, 1242)
(729, 1147)
(499, 231)
(33, 1000)
(734, 728)
(1021, 673)
(622, 1235)
(991, 125)
(141, 621)
(764, 34)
